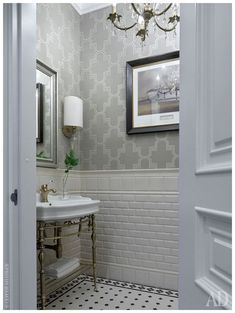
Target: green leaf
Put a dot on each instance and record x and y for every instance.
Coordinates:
(70, 160)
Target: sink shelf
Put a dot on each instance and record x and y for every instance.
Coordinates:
(52, 284)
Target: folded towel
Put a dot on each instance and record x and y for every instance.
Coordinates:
(63, 263)
(65, 272)
(62, 267)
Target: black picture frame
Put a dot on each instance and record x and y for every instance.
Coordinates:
(130, 66)
(39, 112)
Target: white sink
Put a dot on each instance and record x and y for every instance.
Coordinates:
(58, 208)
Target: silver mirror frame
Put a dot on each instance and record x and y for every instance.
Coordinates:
(45, 69)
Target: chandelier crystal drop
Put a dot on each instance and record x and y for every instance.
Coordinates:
(145, 15)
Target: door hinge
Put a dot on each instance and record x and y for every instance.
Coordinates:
(14, 197)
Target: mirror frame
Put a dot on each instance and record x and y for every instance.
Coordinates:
(45, 69)
(39, 110)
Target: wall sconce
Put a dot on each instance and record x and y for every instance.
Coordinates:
(73, 115)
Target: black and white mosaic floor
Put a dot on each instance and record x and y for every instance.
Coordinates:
(79, 294)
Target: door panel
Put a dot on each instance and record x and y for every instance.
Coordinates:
(214, 85)
(205, 156)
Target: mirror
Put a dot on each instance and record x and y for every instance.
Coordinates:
(46, 115)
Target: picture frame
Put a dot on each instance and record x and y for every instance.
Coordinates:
(152, 94)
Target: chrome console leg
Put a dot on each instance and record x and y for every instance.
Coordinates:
(41, 261)
(93, 237)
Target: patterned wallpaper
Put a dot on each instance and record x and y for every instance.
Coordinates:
(91, 62)
(104, 143)
(58, 46)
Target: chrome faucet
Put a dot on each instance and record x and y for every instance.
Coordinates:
(44, 191)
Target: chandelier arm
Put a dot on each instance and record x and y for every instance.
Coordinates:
(135, 9)
(165, 29)
(164, 11)
(124, 28)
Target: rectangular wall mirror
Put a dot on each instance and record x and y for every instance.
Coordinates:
(46, 115)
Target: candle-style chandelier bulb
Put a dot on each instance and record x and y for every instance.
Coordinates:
(162, 16)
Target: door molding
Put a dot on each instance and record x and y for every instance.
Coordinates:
(213, 148)
(213, 248)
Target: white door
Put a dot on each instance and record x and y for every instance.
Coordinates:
(19, 217)
(205, 156)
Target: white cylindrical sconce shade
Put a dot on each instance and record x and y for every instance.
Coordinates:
(73, 111)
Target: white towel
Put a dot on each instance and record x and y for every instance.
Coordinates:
(66, 272)
(62, 267)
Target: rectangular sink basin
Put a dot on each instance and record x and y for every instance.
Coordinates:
(58, 208)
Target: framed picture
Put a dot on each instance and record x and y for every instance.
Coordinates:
(39, 113)
(152, 94)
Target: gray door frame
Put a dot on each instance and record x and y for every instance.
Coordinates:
(19, 221)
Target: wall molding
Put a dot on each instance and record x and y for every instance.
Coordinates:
(157, 193)
(84, 8)
(161, 171)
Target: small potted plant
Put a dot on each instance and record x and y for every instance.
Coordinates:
(70, 162)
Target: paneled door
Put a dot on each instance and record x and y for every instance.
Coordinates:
(19, 157)
(205, 156)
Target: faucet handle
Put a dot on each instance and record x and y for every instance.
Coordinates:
(44, 187)
(44, 191)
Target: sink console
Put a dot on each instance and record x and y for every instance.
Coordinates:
(57, 214)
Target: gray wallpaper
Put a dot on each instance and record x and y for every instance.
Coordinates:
(104, 143)
(91, 62)
(58, 46)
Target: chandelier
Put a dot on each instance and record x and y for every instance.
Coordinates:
(162, 16)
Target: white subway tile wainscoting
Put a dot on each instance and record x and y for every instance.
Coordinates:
(79, 294)
(137, 225)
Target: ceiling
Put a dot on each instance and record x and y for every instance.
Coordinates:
(83, 8)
